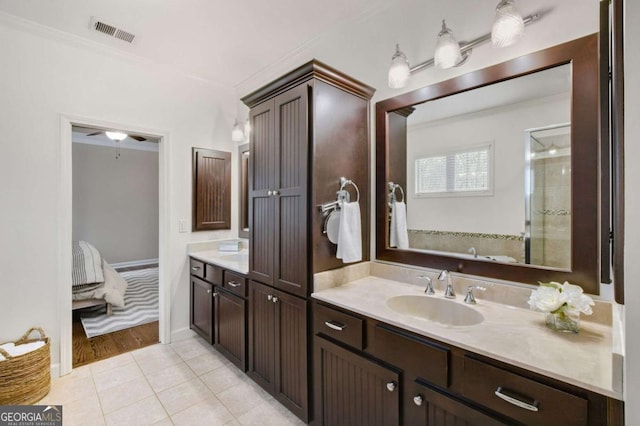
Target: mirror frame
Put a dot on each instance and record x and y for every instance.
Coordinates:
(582, 54)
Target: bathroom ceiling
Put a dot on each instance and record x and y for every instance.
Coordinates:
(223, 42)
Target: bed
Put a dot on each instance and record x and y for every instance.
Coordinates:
(95, 282)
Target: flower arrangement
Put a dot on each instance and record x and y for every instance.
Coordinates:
(562, 303)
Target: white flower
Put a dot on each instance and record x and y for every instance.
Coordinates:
(547, 299)
(576, 300)
(553, 296)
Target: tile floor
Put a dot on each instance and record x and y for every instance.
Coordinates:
(184, 383)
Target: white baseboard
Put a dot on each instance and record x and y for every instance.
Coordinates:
(134, 263)
(182, 333)
(55, 370)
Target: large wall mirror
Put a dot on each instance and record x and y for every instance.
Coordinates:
(496, 172)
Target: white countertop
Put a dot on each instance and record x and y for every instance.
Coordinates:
(512, 335)
(232, 260)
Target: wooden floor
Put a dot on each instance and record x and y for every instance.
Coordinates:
(86, 350)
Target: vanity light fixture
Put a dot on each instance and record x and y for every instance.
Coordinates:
(508, 26)
(552, 149)
(237, 135)
(448, 55)
(447, 52)
(399, 72)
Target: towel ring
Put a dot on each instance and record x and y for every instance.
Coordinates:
(344, 182)
(392, 192)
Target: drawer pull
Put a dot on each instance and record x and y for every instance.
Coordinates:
(233, 283)
(512, 399)
(418, 400)
(195, 268)
(335, 325)
(391, 386)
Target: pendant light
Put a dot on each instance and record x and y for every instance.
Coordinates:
(447, 52)
(399, 70)
(508, 26)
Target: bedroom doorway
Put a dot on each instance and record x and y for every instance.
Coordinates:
(115, 212)
(114, 198)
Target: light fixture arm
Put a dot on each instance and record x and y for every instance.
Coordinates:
(466, 48)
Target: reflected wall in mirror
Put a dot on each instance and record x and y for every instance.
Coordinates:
(468, 190)
(243, 210)
(499, 168)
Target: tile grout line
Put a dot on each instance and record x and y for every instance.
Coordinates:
(155, 394)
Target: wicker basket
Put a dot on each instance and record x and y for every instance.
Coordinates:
(26, 379)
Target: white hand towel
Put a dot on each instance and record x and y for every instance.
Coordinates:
(399, 236)
(349, 233)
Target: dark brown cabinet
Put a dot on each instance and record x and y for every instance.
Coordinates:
(438, 385)
(211, 189)
(201, 312)
(278, 346)
(354, 390)
(218, 309)
(230, 327)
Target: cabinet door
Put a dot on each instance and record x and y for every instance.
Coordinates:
(352, 390)
(261, 335)
(261, 184)
(230, 326)
(201, 311)
(291, 381)
(291, 271)
(431, 407)
(211, 189)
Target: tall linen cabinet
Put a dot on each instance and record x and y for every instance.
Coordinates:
(308, 128)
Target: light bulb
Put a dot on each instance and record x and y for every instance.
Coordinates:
(447, 52)
(508, 26)
(116, 136)
(399, 72)
(237, 135)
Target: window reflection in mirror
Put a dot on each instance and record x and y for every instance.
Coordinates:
(243, 151)
(473, 189)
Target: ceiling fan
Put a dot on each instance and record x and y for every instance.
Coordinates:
(118, 136)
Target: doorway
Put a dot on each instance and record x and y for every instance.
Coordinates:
(69, 124)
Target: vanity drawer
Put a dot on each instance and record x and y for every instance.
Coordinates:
(213, 274)
(196, 268)
(235, 283)
(505, 393)
(420, 357)
(338, 325)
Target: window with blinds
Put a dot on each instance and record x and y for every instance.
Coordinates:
(458, 173)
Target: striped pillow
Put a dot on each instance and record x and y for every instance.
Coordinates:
(87, 264)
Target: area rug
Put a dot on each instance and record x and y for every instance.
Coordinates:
(141, 305)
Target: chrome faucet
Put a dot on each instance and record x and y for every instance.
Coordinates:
(448, 292)
(429, 288)
(469, 297)
(473, 251)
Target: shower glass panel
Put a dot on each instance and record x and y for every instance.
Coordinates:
(548, 196)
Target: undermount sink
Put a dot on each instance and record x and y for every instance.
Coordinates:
(442, 311)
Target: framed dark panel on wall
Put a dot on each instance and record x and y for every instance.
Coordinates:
(211, 189)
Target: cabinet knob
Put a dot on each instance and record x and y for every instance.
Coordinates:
(418, 400)
(269, 193)
(275, 299)
(275, 192)
(215, 294)
(391, 386)
(209, 291)
(269, 297)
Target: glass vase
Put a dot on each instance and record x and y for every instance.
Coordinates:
(567, 322)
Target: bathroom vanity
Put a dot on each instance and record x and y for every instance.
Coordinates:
(378, 362)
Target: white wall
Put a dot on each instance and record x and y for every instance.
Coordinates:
(43, 75)
(502, 212)
(632, 209)
(115, 201)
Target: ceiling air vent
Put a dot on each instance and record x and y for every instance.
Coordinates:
(110, 30)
